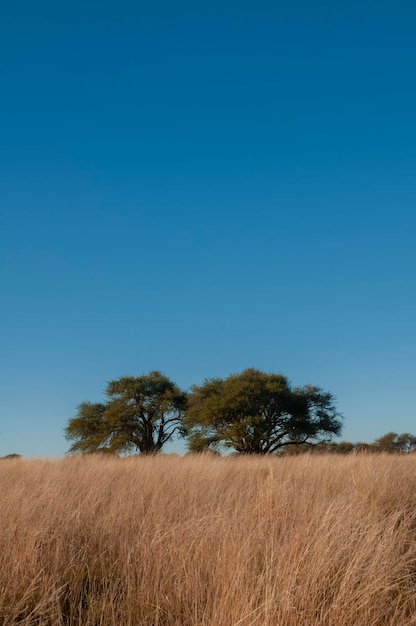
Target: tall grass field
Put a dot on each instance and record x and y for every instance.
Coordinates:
(206, 541)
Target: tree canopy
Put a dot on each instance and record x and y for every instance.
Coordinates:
(392, 442)
(141, 414)
(257, 412)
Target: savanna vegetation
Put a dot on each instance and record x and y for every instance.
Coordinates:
(391, 443)
(279, 532)
(141, 414)
(246, 540)
(249, 413)
(252, 412)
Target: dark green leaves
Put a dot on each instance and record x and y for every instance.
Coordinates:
(141, 414)
(256, 412)
(253, 413)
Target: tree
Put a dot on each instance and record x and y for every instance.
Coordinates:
(406, 442)
(386, 443)
(141, 414)
(392, 442)
(256, 412)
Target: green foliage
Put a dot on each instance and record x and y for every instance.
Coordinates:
(256, 412)
(141, 414)
(392, 442)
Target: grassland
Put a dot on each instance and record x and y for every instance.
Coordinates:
(205, 541)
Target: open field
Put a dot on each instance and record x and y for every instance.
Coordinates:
(205, 541)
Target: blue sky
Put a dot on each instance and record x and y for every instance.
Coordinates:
(204, 188)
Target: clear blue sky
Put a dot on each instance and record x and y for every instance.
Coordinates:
(204, 188)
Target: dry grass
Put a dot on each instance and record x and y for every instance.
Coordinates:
(204, 541)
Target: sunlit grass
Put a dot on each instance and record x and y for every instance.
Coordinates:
(200, 541)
